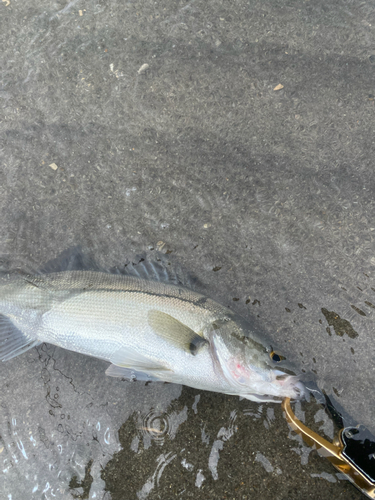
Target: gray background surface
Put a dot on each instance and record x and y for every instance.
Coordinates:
(196, 154)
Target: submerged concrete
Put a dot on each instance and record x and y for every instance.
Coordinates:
(238, 136)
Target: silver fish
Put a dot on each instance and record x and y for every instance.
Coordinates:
(148, 330)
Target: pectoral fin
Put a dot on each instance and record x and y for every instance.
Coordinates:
(175, 332)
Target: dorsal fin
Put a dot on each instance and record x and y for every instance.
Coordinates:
(156, 267)
(72, 259)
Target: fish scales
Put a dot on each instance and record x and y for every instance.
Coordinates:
(147, 329)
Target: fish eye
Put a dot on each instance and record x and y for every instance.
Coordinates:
(276, 357)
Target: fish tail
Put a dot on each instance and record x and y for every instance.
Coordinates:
(12, 341)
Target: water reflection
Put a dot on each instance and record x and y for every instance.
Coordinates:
(110, 439)
(208, 444)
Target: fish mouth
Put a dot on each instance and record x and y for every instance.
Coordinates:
(291, 386)
(288, 386)
(297, 393)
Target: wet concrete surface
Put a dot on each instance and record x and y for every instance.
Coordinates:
(239, 138)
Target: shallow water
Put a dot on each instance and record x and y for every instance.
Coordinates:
(266, 195)
(84, 435)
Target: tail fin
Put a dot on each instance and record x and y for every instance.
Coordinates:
(12, 341)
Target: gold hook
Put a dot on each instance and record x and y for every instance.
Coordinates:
(332, 451)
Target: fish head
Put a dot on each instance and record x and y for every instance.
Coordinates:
(251, 368)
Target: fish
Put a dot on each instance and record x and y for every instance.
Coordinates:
(146, 322)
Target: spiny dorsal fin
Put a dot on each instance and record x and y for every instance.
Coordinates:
(155, 267)
(72, 259)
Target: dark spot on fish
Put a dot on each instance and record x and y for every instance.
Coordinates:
(248, 300)
(360, 289)
(168, 252)
(328, 330)
(336, 391)
(301, 306)
(320, 321)
(373, 289)
(369, 304)
(288, 310)
(314, 371)
(217, 268)
(359, 311)
(341, 326)
(303, 371)
(342, 288)
(148, 382)
(196, 344)
(314, 360)
(256, 301)
(367, 276)
(196, 246)
(235, 299)
(85, 484)
(352, 350)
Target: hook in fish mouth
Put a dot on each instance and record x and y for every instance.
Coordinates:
(295, 385)
(299, 390)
